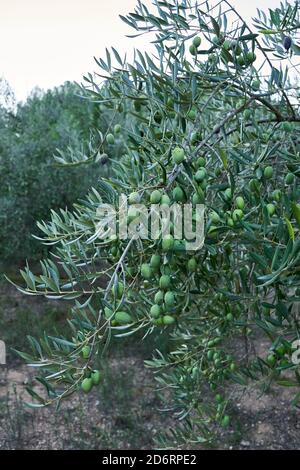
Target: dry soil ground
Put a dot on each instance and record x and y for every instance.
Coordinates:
(124, 412)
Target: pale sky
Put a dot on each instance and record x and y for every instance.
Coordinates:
(46, 42)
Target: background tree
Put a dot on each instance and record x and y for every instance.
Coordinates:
(211, 117)
(31, 182)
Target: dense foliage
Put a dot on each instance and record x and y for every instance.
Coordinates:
(31, 184)
(211, 117)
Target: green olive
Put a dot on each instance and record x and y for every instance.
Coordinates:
(168, 320)
(117, 129)
(268, 172)
(192, 265)
(110, 139)
(289, 179)
(146, 271)
(164, 282)
(271, 209)
(87, 385)
(240, 203)
(155, 197)
(196, 41)
(159, 297)
(200, 175)
(169, 299)
(123, 318)
(167, 243)
(225, 421)
(178, 155)
(155, 311)
(96, 377)
(86, 351)
(178, 194)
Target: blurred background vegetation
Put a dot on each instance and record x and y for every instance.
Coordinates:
(31, 182)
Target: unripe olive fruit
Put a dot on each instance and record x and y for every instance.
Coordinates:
(110, 139)
(227, 44)
(108, 313)
(155, 197)
(214, 217)
(201, 162)
(228, 193)
(96, 377)
(236, 47)
(200, 175)
(237, 215)
(271, 360)
(193, 49)
(250, 57)
(117, 129)
(197, 199)
(159, 297)
(178, 194)
(165, 200)
(164, 282)
(289, 179)
(195, 137)
(169, 299)
(178, 155)
(229, 316)
(118, 290)
(155, 261)
(146, 271)
(192, 265)
(168, 320)
(296, 212)
(196, 41)
(276, 195)
(155, 311)
(86, 350)
(219, 398)
(87, 385)
(268, 172)
(254, 185)
(271, 209)
(225, 421)
(123, 318)
(230, 222)
(204, 184)
(158, 321)
(192, 114)
(134, 198)
(241, 60)
(280, 350)
(132, 214)
(240, 203)
(255, 85)
(167, 243)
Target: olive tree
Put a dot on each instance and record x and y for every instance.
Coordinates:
(211, 117)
